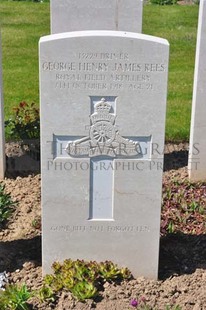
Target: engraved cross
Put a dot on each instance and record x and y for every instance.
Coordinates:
(103, 145)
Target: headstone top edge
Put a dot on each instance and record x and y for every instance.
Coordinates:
(53, 4)
(103, 33)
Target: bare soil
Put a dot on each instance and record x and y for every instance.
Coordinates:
(182, 266)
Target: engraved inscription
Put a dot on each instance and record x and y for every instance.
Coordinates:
(104, 71)
(103, 56)
(100, 228)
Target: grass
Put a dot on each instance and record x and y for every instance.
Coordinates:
(177, 24)
(23, 23)
(14, 298)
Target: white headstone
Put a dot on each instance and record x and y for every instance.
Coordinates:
(197, 150)
(2, 137)
(103, 101)
(77, 15)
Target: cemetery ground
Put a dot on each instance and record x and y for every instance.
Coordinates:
(182, 268)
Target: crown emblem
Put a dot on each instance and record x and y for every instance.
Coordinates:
(101, 112)
(103, 138)
(102, 106)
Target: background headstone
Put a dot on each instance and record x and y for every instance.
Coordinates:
(2, 137)
(197, 150)
(103, 101)
(76, 15)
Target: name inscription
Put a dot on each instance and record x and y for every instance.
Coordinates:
(103, 71)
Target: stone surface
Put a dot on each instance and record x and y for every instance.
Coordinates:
(2, 137)
(197, 151)
(76, 15)
(103, 101)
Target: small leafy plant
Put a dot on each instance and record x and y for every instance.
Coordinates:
(84, 290)
(109, 271)
(6, 205)
(24, 127)
(183, 204)
(25, 124)
(14, 298)
(45, 293)
(83, 279)
(36, 223)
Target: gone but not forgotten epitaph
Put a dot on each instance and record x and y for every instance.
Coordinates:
(100, 116)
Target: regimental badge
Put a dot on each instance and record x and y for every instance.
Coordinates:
(104, 138)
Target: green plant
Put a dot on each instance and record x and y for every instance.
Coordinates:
(25, 124)
(36, 223)
(45, 293)
(177, 307)
(14, 298)
(110, 271)
(83, 279)
(171, 227)
(84, 290)
(6, 205)
(184, 207)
